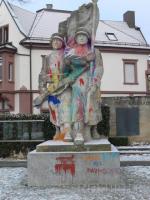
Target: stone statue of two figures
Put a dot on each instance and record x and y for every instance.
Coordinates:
(71, 75)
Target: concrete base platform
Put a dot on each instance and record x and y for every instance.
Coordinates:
(59, 146)
(74, 168)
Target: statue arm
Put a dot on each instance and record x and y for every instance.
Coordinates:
(99, 70)
(79, 60)
(43, 75)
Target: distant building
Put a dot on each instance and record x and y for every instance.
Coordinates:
(24, 39)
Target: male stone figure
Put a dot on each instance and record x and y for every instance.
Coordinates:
(85, 105)
(49, 78)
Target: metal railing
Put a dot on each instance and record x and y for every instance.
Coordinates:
(22, 130)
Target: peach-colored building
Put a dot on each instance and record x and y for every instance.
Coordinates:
(24, 38)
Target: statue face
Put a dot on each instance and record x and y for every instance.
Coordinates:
(57, 43)
(81, 39)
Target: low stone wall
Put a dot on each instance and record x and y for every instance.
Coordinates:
(143, 103)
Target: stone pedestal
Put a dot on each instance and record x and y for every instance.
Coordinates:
(63, 168)
(59, 146)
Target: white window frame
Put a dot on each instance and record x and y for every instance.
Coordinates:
(4, 36)
(1, 68)
(128, 63)
(111, 36)
(4, 104)
(10, 72)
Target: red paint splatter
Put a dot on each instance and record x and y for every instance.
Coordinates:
(80, 110)
(58, 69)
(81, 81)
(53, 113)
(90, 109)
(96, 80)
(50, 73)
(66, 164)
(81, 50)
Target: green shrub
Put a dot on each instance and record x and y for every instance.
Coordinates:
(119, 141)
(7, 149)
(48, 127)
(103, 127)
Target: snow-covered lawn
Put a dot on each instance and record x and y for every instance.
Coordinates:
(135, 157)
(134, 185)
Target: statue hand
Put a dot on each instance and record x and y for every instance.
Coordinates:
(68, 81)
(67, 61)
(90, 57)
(92, 89)
(83, 61)
(47, 78)
(52, 87)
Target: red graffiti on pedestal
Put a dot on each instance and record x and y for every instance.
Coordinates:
(65, 165)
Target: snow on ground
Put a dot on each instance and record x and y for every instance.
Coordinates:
(136, 157)
(134, 147)
(134, 184)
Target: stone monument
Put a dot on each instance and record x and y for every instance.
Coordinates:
(70, 81)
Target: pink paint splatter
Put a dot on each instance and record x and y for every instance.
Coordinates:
(90, 109)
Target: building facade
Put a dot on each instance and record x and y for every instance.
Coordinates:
(24, 40)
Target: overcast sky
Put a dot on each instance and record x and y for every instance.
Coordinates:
(109, 9)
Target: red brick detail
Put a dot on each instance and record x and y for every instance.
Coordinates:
(9, 98)
(24, 100)
(5, 84)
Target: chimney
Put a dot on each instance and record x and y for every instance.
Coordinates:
(129, 17)
(49, 6)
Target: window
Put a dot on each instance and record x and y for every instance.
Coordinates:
(10, 72)
(127, 121)
(4, 104)
(1, 68)
(1, 40)
(111, 36)
(148, 82)
(3, 34)
(130, 72)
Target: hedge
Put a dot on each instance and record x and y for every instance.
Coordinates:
(103, 127)
(48, 127)
(119, 141)
(8, 148)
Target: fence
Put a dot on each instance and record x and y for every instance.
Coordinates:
(26, 127)
(22, 130)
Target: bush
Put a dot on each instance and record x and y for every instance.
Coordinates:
(48, 127)
(8, 149)
(103, 127)
(119, 141)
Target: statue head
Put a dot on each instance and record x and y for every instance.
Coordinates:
(57, 41)
(82, 36)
